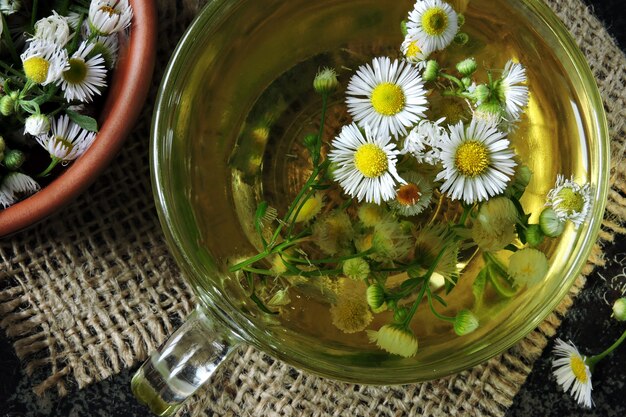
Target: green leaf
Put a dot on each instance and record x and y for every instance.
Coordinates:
(478, 287)
(86, 122)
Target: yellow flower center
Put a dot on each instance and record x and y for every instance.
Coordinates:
(370, 160)
(110, 10)
(413, 50)
(579, 369)
(77, 72)
(36, 69)
(408, 195)
(472, 158)
(571, 201)
(435, 21)
(388, 99)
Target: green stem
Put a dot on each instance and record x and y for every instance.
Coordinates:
(432, 307)
(416, 304)
(54, 162)
(452, 78)
(33, 15)
(497, 265)
(593, 360)
(249, 261)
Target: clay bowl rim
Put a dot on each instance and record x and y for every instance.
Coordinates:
(126, 95)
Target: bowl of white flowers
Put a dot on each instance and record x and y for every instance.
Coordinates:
(73, 81)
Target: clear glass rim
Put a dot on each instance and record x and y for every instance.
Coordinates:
(300, 357)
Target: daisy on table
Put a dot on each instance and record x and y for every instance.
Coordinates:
(83, 77)
(109, 16)
(388, 96)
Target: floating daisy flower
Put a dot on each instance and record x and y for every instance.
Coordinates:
(570, 201)
(387, 96)
(528, 266)
(512, 95)
(109, 16)
(67, 140)
(412, 52)
(83, 78)
(15, 184)
(43, 62)
(53, 29)
(395, 339)
(477, 162)
(424, 142)
(367, 164)
(433, 24)
(414, 196)
(571, 370)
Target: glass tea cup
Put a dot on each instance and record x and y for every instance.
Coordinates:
(204, 193)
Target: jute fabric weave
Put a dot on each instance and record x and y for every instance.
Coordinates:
(93, 289)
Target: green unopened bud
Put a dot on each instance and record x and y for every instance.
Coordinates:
(481, 93)
(461, 38)
(490, 107)
(325, 81)
(467, 81)
(310, 140)
(534, 235)
(619, 309)
(7, 105)
(14, 159)
(375, 296)
(550, 223)
(467, 66)
(461, 19)
(523, 176)
(465, 322)
(431, 72)
(403, 28)
(400, 314)
(356, 268)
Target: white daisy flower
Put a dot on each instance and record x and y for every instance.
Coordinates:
(412, 51)
(571, 370)
(387, 96)
(74, 19)
(366, 164)
(109, 16)
(14, 185)
(569, 200)
(107, 46)
(477, 162)
(82, 77)
(67, 140)
(53, 29)
(424, 142)
(512, 95)
(8, 7)
(414, 196)
(43, 62)
(433, 24)
(37, 124)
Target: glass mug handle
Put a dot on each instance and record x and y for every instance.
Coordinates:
(182, 364)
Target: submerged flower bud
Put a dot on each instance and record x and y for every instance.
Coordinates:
(481, 93)
(465, 322)
(371, 214)
(528, 266)
(311, 208)
(461, 38)
(356, 268)
(37, 124)
(325, 81)
(400, 314)
(431, 72)
(534, 235)
(395, 339)
(467, 66)
(375, 296)
(550, 223)
(619, 309)
(14, 159)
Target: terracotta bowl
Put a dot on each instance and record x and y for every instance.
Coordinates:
(125, 98)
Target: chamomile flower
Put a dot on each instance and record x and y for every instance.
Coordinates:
(387, 96)
(424, 141)
(15, 184)
(107, 46)
(528, 266)
(412, 52)
(510, 91)
(477, 162)
(433, 23)
(53, 29)
(37, 124)
(109, 16)
(414, 196)
(43, 62)
(395, 339)
(67, 140)
(367, 164)
(351, 313)
(83, 77)
(571, 370)
(570, 200)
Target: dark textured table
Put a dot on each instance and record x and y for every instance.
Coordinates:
(587, 323)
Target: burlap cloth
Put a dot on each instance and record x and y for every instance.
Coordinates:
(93, 289)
